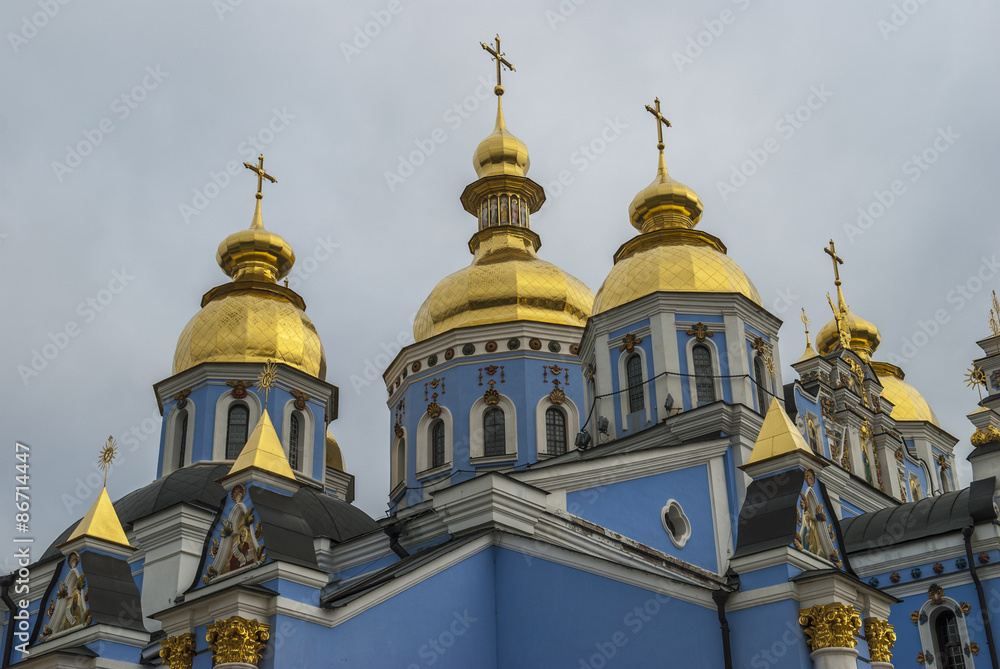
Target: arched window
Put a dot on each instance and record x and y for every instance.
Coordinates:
(236, 430)
(759, 376)
(494, 432)
(949, 641)
(182, 440)
(399, 463)
(294, 440)
(636, 394)
(555, 431)
(703, 381)
(437, 443)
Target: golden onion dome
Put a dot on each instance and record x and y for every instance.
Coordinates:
(334, 457)
(908, 404)
(501, 153)
(252, 319)
(865, 337)
(669, 255)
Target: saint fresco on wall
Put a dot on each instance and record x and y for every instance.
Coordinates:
(69, 608)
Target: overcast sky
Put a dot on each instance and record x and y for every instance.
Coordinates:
(114, 118)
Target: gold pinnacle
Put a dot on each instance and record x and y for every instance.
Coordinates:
(107, 456)
(261, 175)
(995, 321)
(498, 56)
(805, 322)
(661, 121)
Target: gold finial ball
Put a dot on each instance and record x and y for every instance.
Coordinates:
(498, 89)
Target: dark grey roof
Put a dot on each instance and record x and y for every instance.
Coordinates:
(287, 535)
(191, 485)
(927, 517)
(333, 518)
(112, 594)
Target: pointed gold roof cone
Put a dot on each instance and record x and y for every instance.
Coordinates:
(778, 436)
(257, 223)
(101, 522)
(263, 451)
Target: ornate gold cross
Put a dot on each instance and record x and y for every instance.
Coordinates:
(837, 260)
(261, 175)
(700, 331)
(805, 322)
(498, 56)
(661, 121)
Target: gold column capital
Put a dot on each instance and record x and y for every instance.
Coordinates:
(881, 639)
(830, 625)
(237, 639)
(178, 651)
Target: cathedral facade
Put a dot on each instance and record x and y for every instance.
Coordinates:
(577, 480)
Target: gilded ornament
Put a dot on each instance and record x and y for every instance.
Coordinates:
(491, 369)
(181, 398)
(971, 648)
(239, 388)
(178, 651)
(107, 456)
(432, 360)
(995, 321)
(925, 656)
(964, 608)
(830, 625)
(300, 399)
(574, 349)
(935, 593)
(984, 557)
(491, 396)
(468, 349)
(398, 430)
(433, 409)
(415, 366)
(987, 435)
(237, 639)
(699, 331)
(491, 347)
(629, 342)
(557, 396)
(513, 344)
(976, 377)
(555, 346)
(938, 567)
(449, 354)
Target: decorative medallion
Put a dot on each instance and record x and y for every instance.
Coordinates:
(873, 581)
(961, 563)
(415, 367)
(432, 360)
(629, 342)
(963, 609)
(300, 399)
(810, 477)
(915, 572)
(938, 567)
(433, 409)
(490, 369)
(557, 396)
(181, 398)
(535, 344)
(239, 388)
(238, 493)
(935, 593)
(828, 406)
(983, 557)
(449, 354)
(894, 577)
(925, 656)
(700, 331)
(830, 625)
(513, 344)
(916, 617)
(574, 349)
(555, 346)
(398, 430)
(238, 640)
(491, 346)
(178, 651)
(971, 648)
(491, 396)
(468, 349)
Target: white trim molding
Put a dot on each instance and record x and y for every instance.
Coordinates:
(425, 457)
(477, 435)
(570, 413)
(307, 432)
(225, 401)
(713, 352)
(623, 387)
(170, 438)
(397, 461)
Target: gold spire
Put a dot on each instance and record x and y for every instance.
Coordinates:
(501, 153)
(810, 352)
(263, 451)
(995, 321)
(846, 331)
(777, 436)
(101, 521)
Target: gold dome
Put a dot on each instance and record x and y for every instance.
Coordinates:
(505, 282)
(865, 337)
(907, 402)
(665, 203)
(501, 153)
(252, 319)
(334, 458)
(670, 262)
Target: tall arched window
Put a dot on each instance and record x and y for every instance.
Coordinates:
(437, 443)
(949, 641)
(399, 463)
(636, 394)
(236, 430)
(555, 431)
(182, 440)
(703, 381)
(294, 440)
(494, 432)
(759, 376)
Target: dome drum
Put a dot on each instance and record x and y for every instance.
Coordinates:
(524, 188)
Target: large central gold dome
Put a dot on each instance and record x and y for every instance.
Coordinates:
(252, 319)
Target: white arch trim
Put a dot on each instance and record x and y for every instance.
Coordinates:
(572, 415)
(307, 431)
(222, 420)
(172, 435)
(397, 462)
(928, 640)
(713, 352)
(476, 432)
(424, 444)
(623, 386)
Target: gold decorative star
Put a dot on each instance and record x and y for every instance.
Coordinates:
(976, 377)
(107, 456)
(266, 378)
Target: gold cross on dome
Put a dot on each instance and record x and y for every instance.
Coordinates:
(837, 260)
(661, 121)
(498, 56)
(261, 175)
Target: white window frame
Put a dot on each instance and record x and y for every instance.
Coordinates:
(713, 352)
(170, 438)
(572, 415)
(928, 638)
(682, 538)
(477, 436)
(222, 420)
(623, 386)
(425, 456)
(307, 430)
(768, 386)
(397, 479)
